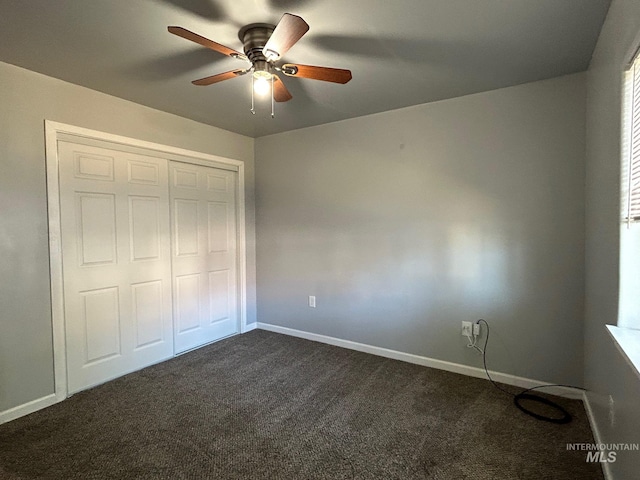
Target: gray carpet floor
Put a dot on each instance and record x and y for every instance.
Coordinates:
(269, 406)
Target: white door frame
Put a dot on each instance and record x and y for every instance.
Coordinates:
(55, 131)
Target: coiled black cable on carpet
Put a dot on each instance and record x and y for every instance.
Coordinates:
(525, 395)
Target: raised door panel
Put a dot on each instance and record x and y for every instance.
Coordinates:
(218, 182)
(220, 287)
(101, 318)
(185, 227)
(144, 228)
(184, 178)
(93, 166)
(188, 303)
(148, 313)
(218, 227)
(143, 173)
(96, 228)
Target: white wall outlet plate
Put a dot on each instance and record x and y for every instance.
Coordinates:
(312, 301)
(466, 329)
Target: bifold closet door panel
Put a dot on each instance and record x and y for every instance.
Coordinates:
(203, 222)
(116, 262)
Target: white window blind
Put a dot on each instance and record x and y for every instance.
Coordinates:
(631, 162)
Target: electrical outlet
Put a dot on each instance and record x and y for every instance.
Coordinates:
(312, 301)
(476, 329)
(466, 329)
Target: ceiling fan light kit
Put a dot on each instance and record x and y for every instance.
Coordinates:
(264, 45)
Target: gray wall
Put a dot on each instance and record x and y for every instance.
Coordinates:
(407, 222)
(606, 372)
(26, 100)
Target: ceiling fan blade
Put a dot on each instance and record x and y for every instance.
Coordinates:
(326, 74)
(219, 77)
(205, 42)
(289, 30)
(280, 92)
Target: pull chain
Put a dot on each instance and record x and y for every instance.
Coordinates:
(253, 110)
(272, 101)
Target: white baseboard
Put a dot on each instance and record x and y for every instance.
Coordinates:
(606, 467)
(251, 326)
(425, 361)
(508, 379)
(27, 408)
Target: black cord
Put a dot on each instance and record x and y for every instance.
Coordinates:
(525, 395)
(484, 360)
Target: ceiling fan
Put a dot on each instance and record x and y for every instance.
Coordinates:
(264, 45)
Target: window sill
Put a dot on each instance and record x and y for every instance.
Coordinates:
(628, 342)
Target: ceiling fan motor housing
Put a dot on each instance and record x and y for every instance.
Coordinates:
(254, 37)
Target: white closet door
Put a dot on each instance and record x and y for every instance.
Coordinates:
(116, 262)
(203, 212)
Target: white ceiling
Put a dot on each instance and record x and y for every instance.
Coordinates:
(401, 53)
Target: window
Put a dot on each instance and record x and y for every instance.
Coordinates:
(631, 145)
(629, 300)
(627, 332)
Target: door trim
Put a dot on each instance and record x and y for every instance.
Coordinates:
(55, 131)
